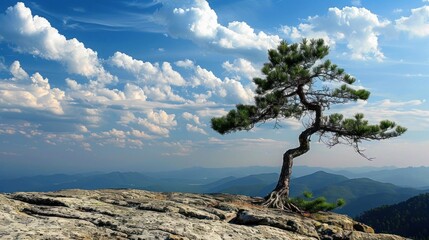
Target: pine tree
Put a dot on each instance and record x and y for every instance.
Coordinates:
(298, 83)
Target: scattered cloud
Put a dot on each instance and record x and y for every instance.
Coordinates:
(162, 118)
(119, 138)
(197, 21)
(242, 67)
(404, 113)
(148, 72)
(229, 89)
(192, 128)
(9, 131)
(157, 122)
(202, 98)
(205, 77)
(191, 117)
(294, 124)
(35, 35)
(82, 128)
(390, 103)
(417, 24)
(134, 92)
(157, 99)
(31, 92)
(126, 118)
(162, 93)
(153, 128)
(246, 141)
(185, 63)
(87, 146)
(358, 28)
(140, 134)
(180, 149)
(236, 92)
(416, 75)
(211, 112)
(17, 72)
(92, 116)
(24, 128)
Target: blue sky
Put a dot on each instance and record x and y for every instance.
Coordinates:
(132, 85)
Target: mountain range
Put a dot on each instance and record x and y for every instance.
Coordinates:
(360, 193)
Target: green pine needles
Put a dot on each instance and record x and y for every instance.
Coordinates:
(308, 203)
(299, 83)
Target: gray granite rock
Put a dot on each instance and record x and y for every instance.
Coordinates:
(136, 214)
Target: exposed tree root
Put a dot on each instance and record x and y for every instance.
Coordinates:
(278, 199)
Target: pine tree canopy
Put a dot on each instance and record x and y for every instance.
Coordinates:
(299, 83)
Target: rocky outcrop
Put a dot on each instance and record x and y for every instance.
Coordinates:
(136, 214)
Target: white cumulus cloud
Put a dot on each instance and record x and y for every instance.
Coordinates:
(33, 92)
(35, 35)
(185, 63)
(417, 24)
(227, 89)
(146, 71)
(134, 92)
(241, 67)
(153, 128)
(191, 117)
(197, 21)
(237, 92)
(162, 93)
(192, 128)
(17, 71)
(162, 118)
(358, 28)
(157, 122)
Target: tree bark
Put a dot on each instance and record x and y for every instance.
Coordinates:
(279, 197)
(285, 174)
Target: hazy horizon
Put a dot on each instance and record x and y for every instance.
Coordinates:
(273, 169)
(132, 85)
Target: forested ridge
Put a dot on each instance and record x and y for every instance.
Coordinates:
(408, 219)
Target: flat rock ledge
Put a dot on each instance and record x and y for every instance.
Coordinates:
(138, 214)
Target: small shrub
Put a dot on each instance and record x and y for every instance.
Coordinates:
(308, 203)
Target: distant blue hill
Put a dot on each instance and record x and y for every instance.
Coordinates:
(315, 182)
(415, 177)
(360, 193)
(250, 185)
(213, 173)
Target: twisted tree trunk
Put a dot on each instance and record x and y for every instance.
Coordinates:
(279, 197)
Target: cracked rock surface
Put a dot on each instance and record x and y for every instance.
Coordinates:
(138, 214)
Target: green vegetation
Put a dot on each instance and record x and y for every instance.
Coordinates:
(408, 219)
(308, 203)
(299, 83)
(360, 194)
(363, 194)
